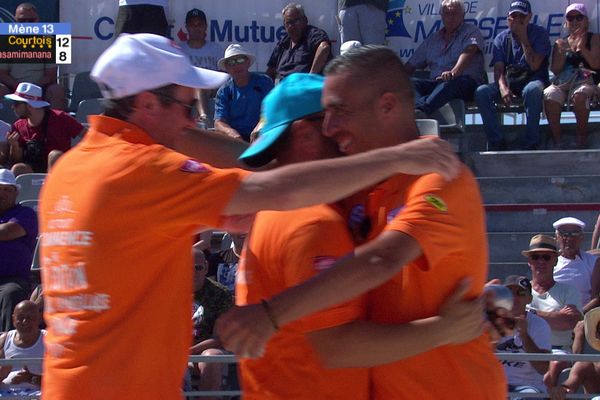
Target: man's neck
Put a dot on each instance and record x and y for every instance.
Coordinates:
(27, 339)
(542, 285)
(242, 80)
(36, 117)
(196, 43)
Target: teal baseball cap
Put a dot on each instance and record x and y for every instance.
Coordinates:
(296, 97)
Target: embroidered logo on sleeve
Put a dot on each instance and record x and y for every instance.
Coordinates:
(321, 263)
(436, 202)
(194, 167)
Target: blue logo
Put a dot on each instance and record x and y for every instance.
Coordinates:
(395, 21)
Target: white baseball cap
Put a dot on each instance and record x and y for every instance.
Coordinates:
(569, 221)
(143, 61)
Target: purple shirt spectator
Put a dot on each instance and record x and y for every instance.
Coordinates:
(16, 254)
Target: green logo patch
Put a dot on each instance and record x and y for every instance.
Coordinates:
(436, 202)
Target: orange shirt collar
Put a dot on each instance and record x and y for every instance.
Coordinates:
(116, 127)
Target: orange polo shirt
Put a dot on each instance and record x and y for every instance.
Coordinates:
(285, 249)
(118, 213)
(447, 220)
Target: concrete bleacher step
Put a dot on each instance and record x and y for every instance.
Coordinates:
(534, 163)
(540, 189)
(506, 247)
(538, 218)
(501, 270)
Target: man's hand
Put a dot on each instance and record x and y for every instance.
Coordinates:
(506, 94)
(23, 376)
(426, 156)
(462, 319)
(445, 76)
(245, 330)
(518, 27)
(13, 138)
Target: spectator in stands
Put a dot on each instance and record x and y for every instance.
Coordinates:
(227, 259)
(44, 75)
(142, 16)
(576, 267)
(531, 335)
(304, 48)
(39, 129)
(558, 303)
(211, 299)
(20, 169)
(202, 53)
(573, 60)
(362, 20)
(25, 341)
(18, 234)
(237, 104)
(520, 61)
(454, 56)
(584, 372)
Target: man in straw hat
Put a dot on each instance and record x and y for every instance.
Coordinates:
(237, 103)
(118, 214)
(558, 303)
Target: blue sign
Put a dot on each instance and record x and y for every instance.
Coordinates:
(40, 28)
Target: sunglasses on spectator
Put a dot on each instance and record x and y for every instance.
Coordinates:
(192, 107)
(233, 61)
(578, 17)
(545, 257)
(292, 21)
(565, 234)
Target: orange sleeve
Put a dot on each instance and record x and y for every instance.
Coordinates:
(439, 215)
(185, 193)
(312, 249)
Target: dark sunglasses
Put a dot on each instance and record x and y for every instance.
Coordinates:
(568, 234)
(192, 107)
(233, 61)
(578, 17)
(545, 257)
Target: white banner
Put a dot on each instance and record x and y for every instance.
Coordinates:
(257, 24)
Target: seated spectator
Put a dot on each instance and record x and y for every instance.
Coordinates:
(362, 20)
(140, 16)
(454, 56)
(202, 53)
(531, 335)
(19, 229)
(25, 341)
(21, 169)
(304, 48)
(576, 267)
(44, 75)
(573, 60)
(520, 61)
(558, 303)
(228, 258)
(211, 299)
(237, 104)
(39, 129)
(585, 373)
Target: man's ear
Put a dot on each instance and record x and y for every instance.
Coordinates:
(388, 102)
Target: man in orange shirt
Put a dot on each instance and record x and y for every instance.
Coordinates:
(433, 238)
(119, 211)
(287, 248)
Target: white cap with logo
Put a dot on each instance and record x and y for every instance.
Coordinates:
(143, 61)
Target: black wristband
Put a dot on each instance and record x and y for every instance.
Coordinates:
(270, 314)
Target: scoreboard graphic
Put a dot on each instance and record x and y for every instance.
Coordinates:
(35, 43)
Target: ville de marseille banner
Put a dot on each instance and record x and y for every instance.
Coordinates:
(257, 24)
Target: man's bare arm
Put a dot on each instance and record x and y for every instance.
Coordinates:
(11, 231)
(321, 56)
(564, 319)
(213, 148)
(326, 181)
